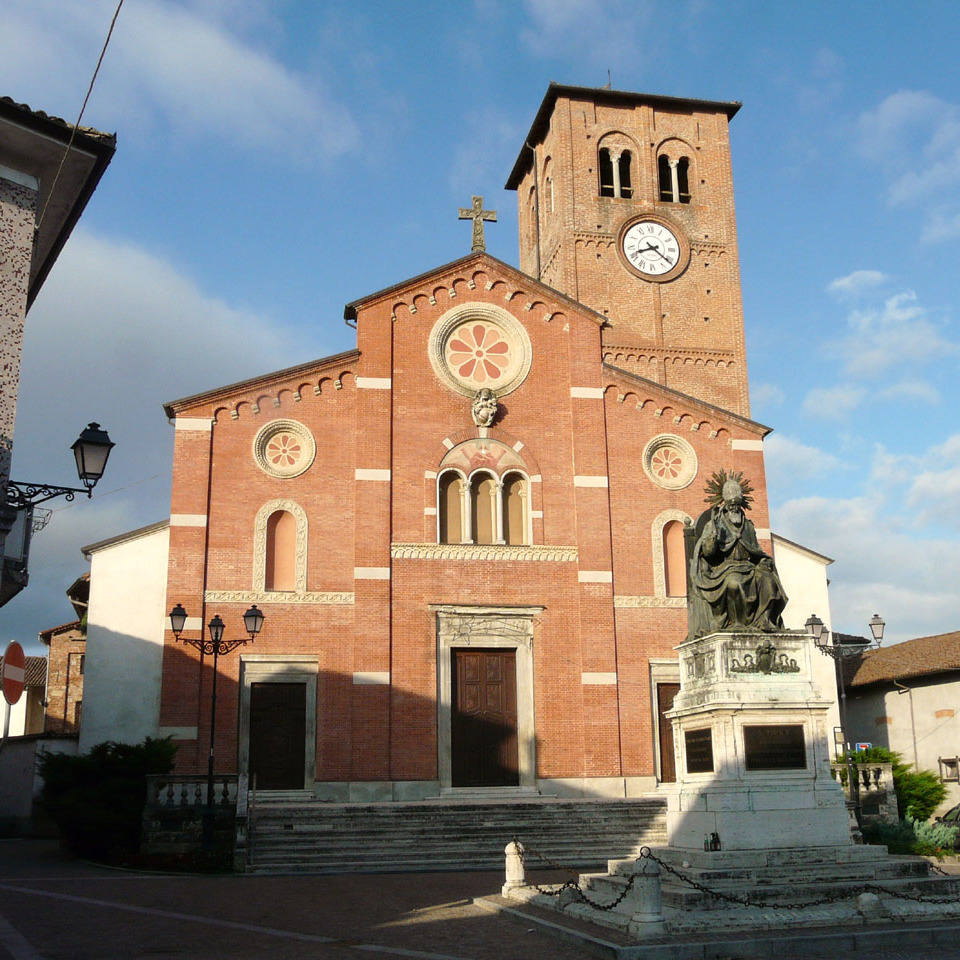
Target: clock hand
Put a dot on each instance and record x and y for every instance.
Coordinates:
(656, 250)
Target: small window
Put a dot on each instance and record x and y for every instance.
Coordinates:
(514, 509)
(450, 508)
(281, 566)
(665, 178)
(626, 186)
(83, 658)
(483, 509)
(77, 712)
(683, 180)
(606, 174)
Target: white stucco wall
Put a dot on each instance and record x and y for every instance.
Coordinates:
(881, 716)
(125, 623)
(804, 576)
(18, 715)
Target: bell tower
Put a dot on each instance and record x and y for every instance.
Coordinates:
(626, 205)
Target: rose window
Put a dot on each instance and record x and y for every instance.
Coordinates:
(284, 448)
(666, 463)
(670, 462)
(478, 353)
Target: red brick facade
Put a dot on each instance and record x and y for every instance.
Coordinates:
(376, 584)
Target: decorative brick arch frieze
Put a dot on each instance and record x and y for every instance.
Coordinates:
(260, 543)
(656, 532)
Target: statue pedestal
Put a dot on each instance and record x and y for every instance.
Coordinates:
(751, 745)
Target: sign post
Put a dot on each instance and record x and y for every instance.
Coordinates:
(12, 677)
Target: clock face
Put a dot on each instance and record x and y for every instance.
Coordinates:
(651, 248)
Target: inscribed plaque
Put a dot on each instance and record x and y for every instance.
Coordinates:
(774, 747)
(699, 750)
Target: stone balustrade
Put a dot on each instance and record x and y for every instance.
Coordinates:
(167, 792)
(878, 801)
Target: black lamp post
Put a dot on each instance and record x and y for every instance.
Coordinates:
(91, 450)
(839, 652)
(217, 646)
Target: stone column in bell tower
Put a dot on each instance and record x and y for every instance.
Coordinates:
(604, 180)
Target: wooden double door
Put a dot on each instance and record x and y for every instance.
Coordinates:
(483, 731)
(278, 730)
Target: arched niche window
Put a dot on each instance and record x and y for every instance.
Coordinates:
(484, 508)
(450, 512)
(669, 555)
(515, 513)
(548, 185)
(626, 184)
(674, 559)
(280, 548)
(673, 176)
(280, 572)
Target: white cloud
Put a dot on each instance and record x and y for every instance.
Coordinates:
(175, 66)
(935, 488)
(879, 566)
(914, 137)
(767, 395)
(833, 403)
(856, 283)
(897, 333)
(911, 390)
(790, 458)
(607, 33)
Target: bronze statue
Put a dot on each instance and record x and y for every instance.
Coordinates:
(733, 584)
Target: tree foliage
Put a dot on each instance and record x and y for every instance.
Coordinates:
(97, 798)
(919, 792)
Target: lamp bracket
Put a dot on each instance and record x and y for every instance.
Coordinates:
(23, 495)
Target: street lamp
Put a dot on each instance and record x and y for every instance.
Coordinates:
(91, 450)
(217, 646)
(839, 652)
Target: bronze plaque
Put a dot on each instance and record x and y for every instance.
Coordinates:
(699, 750)
(774, 747)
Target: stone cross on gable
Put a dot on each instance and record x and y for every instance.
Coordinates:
(477, 214)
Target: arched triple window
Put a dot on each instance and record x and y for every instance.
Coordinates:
(673, 175)
(484, 508)
(616, 171)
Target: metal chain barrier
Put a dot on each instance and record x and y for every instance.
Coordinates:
(647, 854)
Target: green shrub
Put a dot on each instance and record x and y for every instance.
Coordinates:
(912, 836)
(919, 792)
(96, 799)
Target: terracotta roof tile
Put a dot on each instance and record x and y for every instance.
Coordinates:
(35, 671)
(912, 658)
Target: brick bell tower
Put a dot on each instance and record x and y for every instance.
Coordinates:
(626, 205)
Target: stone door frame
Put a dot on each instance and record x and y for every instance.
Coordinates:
(277, 668)
(505, 628)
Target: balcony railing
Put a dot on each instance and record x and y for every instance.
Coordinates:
(168, 792)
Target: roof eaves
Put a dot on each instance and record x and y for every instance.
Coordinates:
(122, 537)
(171, 408)
(350, 310)
(752, 425)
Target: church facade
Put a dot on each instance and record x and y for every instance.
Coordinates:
(466, 535)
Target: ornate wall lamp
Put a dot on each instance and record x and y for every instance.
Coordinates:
(216, 647)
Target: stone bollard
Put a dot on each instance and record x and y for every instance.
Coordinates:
(514, 867)
(647, 918)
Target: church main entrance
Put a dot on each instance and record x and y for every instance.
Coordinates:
(277, 735)
(484, 718)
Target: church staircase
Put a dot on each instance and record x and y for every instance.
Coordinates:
(308, 836)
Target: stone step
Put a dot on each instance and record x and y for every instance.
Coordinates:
(314, 837)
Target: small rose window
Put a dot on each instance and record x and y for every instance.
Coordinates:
(478, 353)
(284, 448)
(670, 462)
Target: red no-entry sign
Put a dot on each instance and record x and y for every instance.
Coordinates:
(12, 673)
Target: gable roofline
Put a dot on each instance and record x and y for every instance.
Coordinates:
(752, 425)
(350, 310)
(174, 406)
(123, 537)
(777, 538)
(602, 95)
(45, 635)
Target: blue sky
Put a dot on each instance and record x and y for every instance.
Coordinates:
(278, 159)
